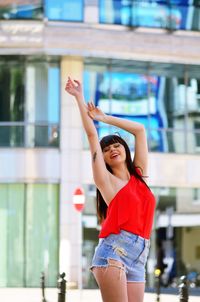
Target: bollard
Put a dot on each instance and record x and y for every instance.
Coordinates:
(42, 283)
(61, 288)
(157, 273)
(183, 289)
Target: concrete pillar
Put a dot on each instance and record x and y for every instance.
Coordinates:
(70, 174)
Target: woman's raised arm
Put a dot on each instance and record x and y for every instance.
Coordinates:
(100, 173)
(141, 149)
(75, 88)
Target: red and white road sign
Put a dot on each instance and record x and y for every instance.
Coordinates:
(79, 199)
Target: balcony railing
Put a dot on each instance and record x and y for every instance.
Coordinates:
(29, 135)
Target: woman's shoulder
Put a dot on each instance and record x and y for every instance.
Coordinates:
(116, 186)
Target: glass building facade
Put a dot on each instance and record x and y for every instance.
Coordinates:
(30, 108)
(28, 215)
(163, 95)
(165, 99)
(170, 15)
(60, 10)
(29, 118)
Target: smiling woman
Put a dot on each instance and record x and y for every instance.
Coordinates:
(125, 204)
(113, 152)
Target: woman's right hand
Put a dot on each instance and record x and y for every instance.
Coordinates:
(73, 87)
(96, 113)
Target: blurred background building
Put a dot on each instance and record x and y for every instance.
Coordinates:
(137, 59)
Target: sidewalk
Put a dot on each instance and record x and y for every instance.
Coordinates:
(34, 295)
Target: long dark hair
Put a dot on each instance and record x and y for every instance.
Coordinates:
(104, 142)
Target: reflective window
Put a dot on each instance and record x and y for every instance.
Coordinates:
(42, 85)
(193, 107)
(12, 103)
(162, 97)
(12, 80)
(177, 231)
(149, 100)
(125, 95)
(65, 10)
(41, 227)
(196, 16)
(172, 15)
(27, 9)
(28, 214)
(11, 136)
(11, 234)
(30, 107)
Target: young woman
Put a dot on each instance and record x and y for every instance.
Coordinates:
(125, 204)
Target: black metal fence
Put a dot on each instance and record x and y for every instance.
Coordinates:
(61, 285)
(183, 293)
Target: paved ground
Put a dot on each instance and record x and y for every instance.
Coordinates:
(34, 295)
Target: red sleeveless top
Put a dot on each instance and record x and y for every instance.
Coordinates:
(132, 210)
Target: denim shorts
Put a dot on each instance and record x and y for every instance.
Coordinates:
(129, 249)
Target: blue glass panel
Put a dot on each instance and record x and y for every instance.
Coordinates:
(16, 10)
(89, 77)
(157, 102)
(129, 93)
(156, 140)
(65, 10)
(53, 94)
(170, 2)
(11, 136)
(196, 18)
(115, 11)
(133, 96)
(156, 15)
(174, 14)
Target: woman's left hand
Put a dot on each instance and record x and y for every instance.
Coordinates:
(73, 87)
(96, 113)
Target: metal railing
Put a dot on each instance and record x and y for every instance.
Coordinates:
(61, 285)
(183, 293)
(29, 134)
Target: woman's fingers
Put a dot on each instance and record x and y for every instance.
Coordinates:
(91, 105)
(68, 86)
(91, 109)
(77, 82)
(70, 82)
(91, 114)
